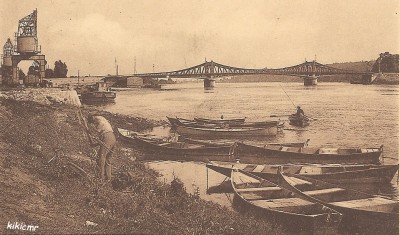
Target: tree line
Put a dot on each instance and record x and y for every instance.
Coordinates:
(60, 70)
(386, 63)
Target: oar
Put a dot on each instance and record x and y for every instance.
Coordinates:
(274, 115)
(291, 129)
(314, 119)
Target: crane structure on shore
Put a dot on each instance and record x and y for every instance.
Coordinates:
(209, 70)
(26, 48)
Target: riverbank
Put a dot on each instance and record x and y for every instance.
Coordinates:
(47, 180)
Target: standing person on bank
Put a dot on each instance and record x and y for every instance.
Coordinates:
(106, 140)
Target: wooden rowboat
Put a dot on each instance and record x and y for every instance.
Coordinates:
(301, 121)
(269, 154)
(362, 213)
(231, 142)
(193, 123)
(98, 97)
(161, 149)
(333, 173)
(267, 199)
(219, 121)
(209, 132)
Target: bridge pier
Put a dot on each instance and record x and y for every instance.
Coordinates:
(310, 80)
(209, 83)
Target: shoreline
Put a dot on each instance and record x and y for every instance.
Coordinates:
(59, 198)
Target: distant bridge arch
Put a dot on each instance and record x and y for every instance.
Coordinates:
(309, 70)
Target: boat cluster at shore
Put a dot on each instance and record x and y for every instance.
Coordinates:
(283, 181)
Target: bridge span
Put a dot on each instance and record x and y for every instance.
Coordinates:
(209, 70)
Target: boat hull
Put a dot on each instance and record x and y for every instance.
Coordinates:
(349, 174)
(178, 151)
(278, 155)
(219, 121)
(193, 123)
(300, 221)
(227, 132)
(98, 97)
(298, 121)
(362, 213)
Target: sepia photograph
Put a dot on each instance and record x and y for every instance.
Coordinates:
(199, 117)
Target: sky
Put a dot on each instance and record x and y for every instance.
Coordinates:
(91, 35)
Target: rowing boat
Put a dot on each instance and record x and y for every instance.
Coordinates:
(270, 154)
(193, 123)
(267, 199)
(231, 142)
(219, 121)
(333, 173)
(210, 132)
(300, 121)
(161, 149)
(362, 213)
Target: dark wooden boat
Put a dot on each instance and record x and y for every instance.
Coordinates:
(220, 142)
(98, 97)
(333, 173)
(362, 213)
(192, 123)
(234, 132)
(278, 204)
(300, 121)
(269, 154)
(98, 93)
(161, 149)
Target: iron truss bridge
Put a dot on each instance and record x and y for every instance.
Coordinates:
(210, 69)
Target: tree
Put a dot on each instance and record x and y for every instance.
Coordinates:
(34, 70)
(386, 63)
(60, 69)
(49, 73)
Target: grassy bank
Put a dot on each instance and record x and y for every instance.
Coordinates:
(47, 179)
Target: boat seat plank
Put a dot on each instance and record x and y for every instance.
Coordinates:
(263, 189)
(298, 182)
(270, 169)
(282, 203)
(324, 191)
(366, 203)
(250, 168)
(328, 151)
(309, 150)
(284, 148)
(369, 150)
(292, 169)
(244, 179)
(272, 147)
(259, 168)
(164, 144)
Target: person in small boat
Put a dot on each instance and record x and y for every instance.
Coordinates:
(107, 141)
(299, 112)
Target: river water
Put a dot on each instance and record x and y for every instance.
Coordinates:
(345, 115)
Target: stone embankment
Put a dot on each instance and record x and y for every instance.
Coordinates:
(43, 96)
